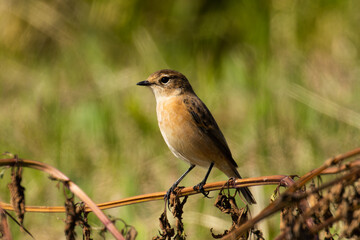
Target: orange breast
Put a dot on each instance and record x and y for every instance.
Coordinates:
(182, 135)
(173, 122)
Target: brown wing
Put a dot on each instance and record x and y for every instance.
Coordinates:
(207, 124)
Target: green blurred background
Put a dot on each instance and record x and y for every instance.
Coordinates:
(280, 77)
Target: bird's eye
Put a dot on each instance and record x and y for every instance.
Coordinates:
(164, 79)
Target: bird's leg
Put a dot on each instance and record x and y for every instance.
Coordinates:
(168, 193)
(200, 186)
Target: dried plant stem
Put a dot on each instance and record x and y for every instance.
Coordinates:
(328, 163)
(6, 234)
(56, 174)
(328, 222)
(285, 199)
(283, 180)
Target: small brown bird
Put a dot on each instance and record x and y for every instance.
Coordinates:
(189, 129)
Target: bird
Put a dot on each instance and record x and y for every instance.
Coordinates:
(189, 129)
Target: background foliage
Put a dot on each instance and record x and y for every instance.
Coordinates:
(281, 78)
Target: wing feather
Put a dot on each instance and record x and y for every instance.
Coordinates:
(207, 124)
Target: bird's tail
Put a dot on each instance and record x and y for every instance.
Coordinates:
(245, 190)
(248, 196)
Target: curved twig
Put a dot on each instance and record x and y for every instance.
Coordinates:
(283, 180)
(56, 174)
(282, 202)
(267, 180)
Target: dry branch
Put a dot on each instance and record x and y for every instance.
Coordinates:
(56, 174)
(289, 197)
(283, 180)
(286, 199)
(4, 228)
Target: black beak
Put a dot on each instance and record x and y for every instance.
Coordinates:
(144, 83)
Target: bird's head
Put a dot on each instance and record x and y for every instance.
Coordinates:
(167, 83)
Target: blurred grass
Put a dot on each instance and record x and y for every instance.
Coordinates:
(281, 78)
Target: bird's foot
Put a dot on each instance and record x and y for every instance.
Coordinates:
(173, 190)
(200, 188)
(231, 182)
(168, 193)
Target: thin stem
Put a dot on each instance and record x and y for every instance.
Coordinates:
(56, 174)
